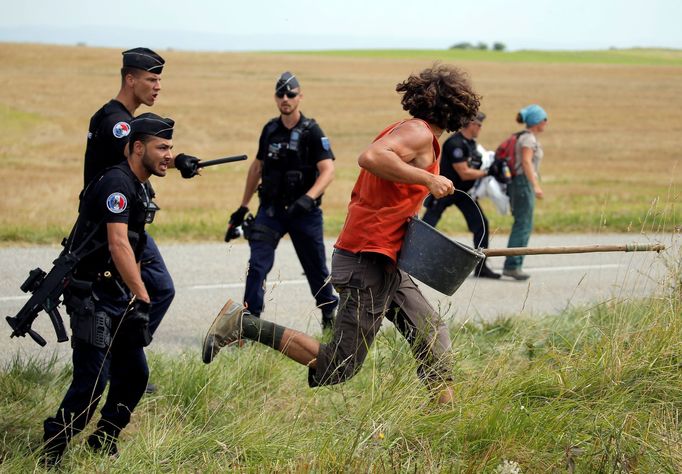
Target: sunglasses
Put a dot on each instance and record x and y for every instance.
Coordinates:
(289, 94)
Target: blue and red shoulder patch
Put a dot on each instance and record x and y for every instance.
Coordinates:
(117, 203)
(121, 129)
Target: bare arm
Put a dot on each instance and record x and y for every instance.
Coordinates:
(124, 259)
(252, 180)
(324, 178)
(402, 156)
(467, 173)
(527, 165)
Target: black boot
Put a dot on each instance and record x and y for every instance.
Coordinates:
(104, 440)
(482, 271)
(52, 453)
(55, 439)
(328, 316)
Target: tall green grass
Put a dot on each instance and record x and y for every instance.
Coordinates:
(594, 389)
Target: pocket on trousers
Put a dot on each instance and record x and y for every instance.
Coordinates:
(346, 279)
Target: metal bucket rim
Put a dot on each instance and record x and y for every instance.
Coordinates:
(443, 264)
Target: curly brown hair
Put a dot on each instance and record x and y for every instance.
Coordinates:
(441, 95)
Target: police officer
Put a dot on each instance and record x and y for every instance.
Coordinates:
(461, 162)
(108, 136)
(108, 303)
(294, 166)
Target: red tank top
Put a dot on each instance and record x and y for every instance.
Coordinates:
(379, 209)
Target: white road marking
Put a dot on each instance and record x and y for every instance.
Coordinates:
(221, 286)
(532, 270)
(14, 298)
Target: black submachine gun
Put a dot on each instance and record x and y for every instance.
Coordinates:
(47, 288)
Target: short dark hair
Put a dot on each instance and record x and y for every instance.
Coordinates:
(138, 137)
(441, 95)
(129, 70)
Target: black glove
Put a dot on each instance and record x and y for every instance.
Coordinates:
(236, 219)
(134, 328)
(302, 205)
(187, 165)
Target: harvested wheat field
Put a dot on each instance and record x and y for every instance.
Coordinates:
(612, 160)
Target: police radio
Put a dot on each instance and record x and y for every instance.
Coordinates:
(277, 150)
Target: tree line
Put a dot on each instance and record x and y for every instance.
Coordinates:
(496, 46)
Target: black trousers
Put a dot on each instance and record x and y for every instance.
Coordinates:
(123, 367)
(475, 218)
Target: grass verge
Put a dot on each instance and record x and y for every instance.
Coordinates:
(595, 389)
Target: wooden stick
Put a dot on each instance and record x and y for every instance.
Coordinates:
(576, 249)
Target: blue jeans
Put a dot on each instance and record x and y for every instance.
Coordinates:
(307, 236)
(522, 200)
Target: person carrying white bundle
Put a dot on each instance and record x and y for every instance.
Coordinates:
(491, 187)
(461, 162)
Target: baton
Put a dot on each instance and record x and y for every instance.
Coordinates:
(220, 161)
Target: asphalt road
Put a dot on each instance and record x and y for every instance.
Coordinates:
(207, 274)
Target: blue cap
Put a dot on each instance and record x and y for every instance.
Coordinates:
(533, 115)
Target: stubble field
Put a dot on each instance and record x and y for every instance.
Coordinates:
(612, 159)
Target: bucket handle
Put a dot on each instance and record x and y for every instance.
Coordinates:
(478, 246)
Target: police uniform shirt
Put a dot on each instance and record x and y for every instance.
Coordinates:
(314, 143)
(458, 149)
(117, 197)
(107, 138)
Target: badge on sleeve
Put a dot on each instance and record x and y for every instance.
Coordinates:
(121, 129)
(325, 143)
(458, 153)
(117, 203)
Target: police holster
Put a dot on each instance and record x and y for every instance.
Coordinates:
(87, 325)
(259, 233)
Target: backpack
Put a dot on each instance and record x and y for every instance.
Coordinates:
(507, 151)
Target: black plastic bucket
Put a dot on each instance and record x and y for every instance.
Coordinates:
(435, 259)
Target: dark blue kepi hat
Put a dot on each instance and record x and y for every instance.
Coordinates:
(151, 124)
(143, 58)
(286, 82)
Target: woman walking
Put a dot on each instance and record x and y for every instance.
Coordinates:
(525, 185)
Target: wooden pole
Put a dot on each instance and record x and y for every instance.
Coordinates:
(508, 252)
